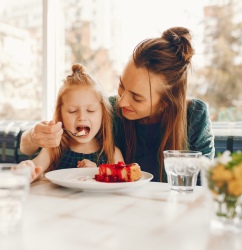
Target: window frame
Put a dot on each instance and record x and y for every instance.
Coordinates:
(51, 56)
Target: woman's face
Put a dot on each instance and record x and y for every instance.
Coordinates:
(135, 94)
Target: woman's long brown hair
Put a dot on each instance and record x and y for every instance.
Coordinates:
(167, 57)
(80, 77)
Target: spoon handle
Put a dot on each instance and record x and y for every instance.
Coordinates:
(74, 134)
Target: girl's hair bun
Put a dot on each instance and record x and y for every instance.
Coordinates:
(180, 38)
(78, 68)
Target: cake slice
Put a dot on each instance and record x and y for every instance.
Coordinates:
(118, 172)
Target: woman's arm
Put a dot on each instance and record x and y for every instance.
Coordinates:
(43, 135)
(28, 145)
(200, 134)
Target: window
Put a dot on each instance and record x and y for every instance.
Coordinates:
(21, 59)
(102, 34)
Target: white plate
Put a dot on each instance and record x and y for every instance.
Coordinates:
(83, 179)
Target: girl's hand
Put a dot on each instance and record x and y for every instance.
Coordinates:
(35, 170)
(86, 164)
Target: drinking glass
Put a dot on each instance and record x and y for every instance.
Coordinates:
(14, 187)
(182, 168)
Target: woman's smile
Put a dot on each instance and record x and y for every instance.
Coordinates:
(126, 110)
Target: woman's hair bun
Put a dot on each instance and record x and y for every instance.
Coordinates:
(180, 38)
(78, 68)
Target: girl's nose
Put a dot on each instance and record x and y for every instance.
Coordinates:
(81, 116)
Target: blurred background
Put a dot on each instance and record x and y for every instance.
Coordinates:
(41, 39)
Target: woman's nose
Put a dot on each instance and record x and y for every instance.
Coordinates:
(123, 100)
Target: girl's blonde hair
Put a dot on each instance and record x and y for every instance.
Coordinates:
(80, 77)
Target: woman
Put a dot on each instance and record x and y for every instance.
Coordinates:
(151, 112)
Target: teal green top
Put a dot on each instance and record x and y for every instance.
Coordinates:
(70, 158)
(199, 131)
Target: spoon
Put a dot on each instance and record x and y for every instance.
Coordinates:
(78, 134)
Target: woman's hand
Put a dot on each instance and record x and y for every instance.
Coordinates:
(86, 164)
(35, 170)
(47, 134)
(43, 135)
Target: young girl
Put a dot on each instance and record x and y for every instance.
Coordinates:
(83, 109)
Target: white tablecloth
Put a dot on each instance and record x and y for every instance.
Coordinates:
(144, 218)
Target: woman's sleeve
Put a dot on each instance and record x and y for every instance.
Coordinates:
(200, 134)
(115, 120)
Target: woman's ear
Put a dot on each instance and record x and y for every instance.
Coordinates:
(163, 106)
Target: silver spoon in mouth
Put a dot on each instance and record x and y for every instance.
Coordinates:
(78, 134)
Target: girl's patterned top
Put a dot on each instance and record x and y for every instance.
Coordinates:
(200, 138)
(70, 159)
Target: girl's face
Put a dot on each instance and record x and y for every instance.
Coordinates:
(81, 109)
(135, 94)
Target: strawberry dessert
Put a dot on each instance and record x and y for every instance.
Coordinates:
(118, 172)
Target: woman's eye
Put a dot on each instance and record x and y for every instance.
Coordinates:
(136, 100)
(90, 111)
(71, 111)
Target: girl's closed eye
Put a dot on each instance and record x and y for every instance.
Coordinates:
(90, 111)
(71, 111)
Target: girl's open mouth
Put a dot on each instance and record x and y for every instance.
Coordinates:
(82, 130)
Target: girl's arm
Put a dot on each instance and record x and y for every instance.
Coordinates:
(85, 163)
(118, 155)
(38, 165)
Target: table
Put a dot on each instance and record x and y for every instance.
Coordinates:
(149, 217)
